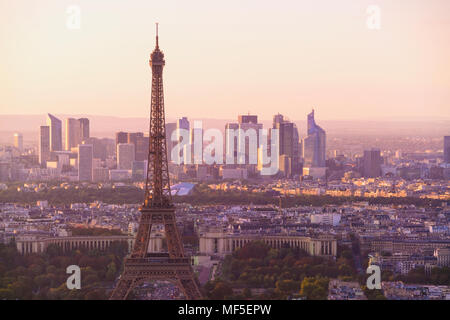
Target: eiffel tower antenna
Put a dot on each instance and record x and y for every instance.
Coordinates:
(141, 265)
(157, 42)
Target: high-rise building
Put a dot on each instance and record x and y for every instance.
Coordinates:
(314, 145)
(231, 142)
(139, 171)
(249, 125)
(121, 137)
(125, 156)
(186, 153)
(99, 147)
(84, 128)
(85, 159)
(170, 128)
(285, 165)
(372, 163)
(44, 145)
(55, 133)
(132, 137)
(248, 119)
(243, 132)
(141, 152)
(278, 118)
(18, 141)
(140, 143)
(110, 147)
(447, 149)
(77, 131)
(288, 143)
(196, 142)
(72, 133)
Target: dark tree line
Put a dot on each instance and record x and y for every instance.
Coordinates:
(201, 195)
(282, 272)
(43, 276)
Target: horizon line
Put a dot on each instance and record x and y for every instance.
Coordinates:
(371, 119)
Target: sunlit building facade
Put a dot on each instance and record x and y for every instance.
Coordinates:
(55, 126)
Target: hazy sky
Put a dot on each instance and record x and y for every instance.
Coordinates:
(228, 57)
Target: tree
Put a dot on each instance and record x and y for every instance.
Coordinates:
(373, 294)
(97, 294)
(314, 288)
(111, 273)
(221, 291)
(256, 250)
(6, 294)
(287, 286)
(247, 293)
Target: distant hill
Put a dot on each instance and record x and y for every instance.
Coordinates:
(106, 126)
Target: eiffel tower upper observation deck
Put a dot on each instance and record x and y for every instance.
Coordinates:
(158, 208)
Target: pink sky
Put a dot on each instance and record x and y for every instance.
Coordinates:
(228, 57)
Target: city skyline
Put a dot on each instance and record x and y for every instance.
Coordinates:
(396, 72)
(234, 209)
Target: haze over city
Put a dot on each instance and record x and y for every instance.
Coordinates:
(243, 151)
(228, 57)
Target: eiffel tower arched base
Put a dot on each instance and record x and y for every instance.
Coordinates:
(158, 267)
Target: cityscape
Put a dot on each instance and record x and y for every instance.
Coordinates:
(208, 208)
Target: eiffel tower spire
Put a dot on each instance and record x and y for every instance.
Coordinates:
(157, 43)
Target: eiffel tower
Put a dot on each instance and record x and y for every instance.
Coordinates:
(141, 266)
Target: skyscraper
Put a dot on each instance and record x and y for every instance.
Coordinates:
(184, 124)
(278, 118)
(248, 119)
(55, 133)
(447, 149)
(249, 124)
(18, 141)
(170, 128)
(288, 144)
(196, 142)
(110, 147)
(121, 137)
(72, 133)
(99, 147)
(372, 163)
(231, 142)
(125, 156)
(85, 157)
(84, 128)
(44, 145)
(140, 145)
(246, 130)
(314, 144)
(77, 131)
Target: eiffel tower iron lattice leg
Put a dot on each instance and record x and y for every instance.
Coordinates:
(140, 265)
